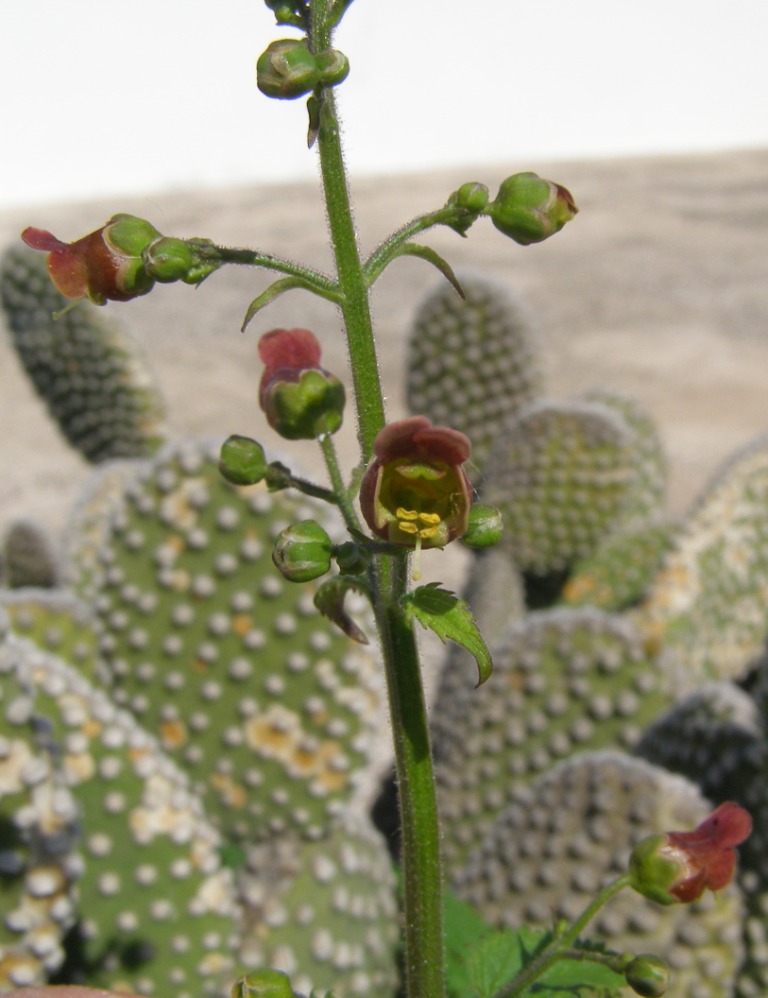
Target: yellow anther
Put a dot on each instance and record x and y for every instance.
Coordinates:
(406, 514)
(406, 527)
(431, 518)
(427, 532)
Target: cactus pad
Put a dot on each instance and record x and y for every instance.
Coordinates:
(707, 605)
(92, 378)
(158, 909)
(471, 363)
(570, 832)
(562, 475)
(563, 681)
(324, 912)
(272, 712)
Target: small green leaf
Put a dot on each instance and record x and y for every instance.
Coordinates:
(451, 619)
(429, 255)
(329, 600)
(272, 292)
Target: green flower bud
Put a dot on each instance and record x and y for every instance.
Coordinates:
(333, 67)
(189, 260)
(529, 209)
(287, 69)
(472, 198)
(263, 984)
(351, 558)
(293, 12)
(648, 975)
(303, 551)
(485, 527)
(242, 461)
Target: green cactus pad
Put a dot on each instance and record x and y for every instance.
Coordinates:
(471, 363)
(29, 556)
(562, 475)
(271, 710)
(324, 912)
(646, 502)
(57, 621)
(38, 834)
(618, 574)
(716, 738)
(707, 605)
(92, 378)
(563, 681)
(571, 832)
(157, 910)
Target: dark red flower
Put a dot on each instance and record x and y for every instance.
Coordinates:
(105, 265)
(680, 866)
(301, 400)
(415, 492)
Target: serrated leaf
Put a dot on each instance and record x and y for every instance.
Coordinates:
(450, 619)
(329, 600)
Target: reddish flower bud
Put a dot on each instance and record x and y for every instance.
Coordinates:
(105, 265)
(301, 400)
(680, 866)
(415, 492)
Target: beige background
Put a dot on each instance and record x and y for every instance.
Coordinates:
(657, 289)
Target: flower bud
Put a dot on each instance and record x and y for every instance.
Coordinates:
(287, 69)
(242, 461)
(472, 199)
(648, 975)
(106, 265)
(351, 558)
(293, 12)
(263, 984)
(333, 67)
(529, 209)
(301, 400)
(168, 259)
(484, 528)
(303, 551)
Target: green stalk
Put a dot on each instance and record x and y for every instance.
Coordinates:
(562, 943)
(424, 946)
(422, 874)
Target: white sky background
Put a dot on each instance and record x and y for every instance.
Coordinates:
(102, 97)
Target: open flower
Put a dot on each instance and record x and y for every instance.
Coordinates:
(415, 492)
(105, 265)
(301, 400)
(680, 866)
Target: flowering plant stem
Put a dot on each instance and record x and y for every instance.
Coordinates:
(560, 948)
(422, 885)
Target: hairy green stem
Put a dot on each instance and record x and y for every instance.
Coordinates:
(385, 252)
(424, 945)
(313, 279)
(343, 499)
(558, 949)
(422, 875)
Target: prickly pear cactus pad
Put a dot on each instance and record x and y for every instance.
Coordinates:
(563, 681)
(324, 912)
(646, 501)
(716, 738)
(92, 378)
(57, 621)
(272, 711)
(471, 363)
(618, 574)
(572, 831)
(708, 605)
(562, 475)
(157, 911)
(38, 833)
